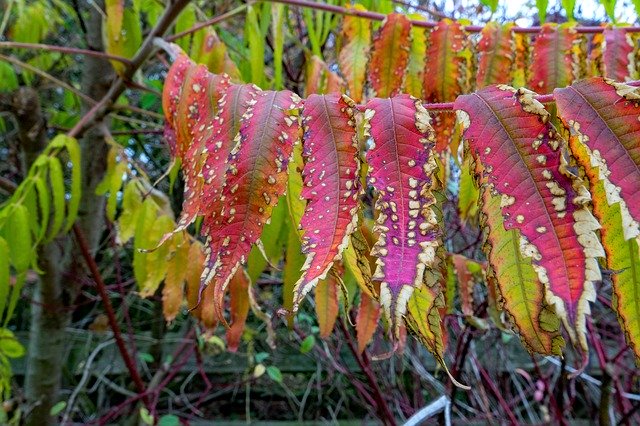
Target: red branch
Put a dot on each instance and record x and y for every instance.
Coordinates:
(426, 24)
(108, 308)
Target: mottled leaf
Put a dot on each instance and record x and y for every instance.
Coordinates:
(414, 78)
(331, 186)
(496, 55)
(401, 164)
(354, 54)
(602, 117)
(558, 57)
(390, 55)
(522, 295)
(510, 135)
(255, 178)
(423, 320)
(446, 75)
(521, 59)
(319, 79)
(618, 57)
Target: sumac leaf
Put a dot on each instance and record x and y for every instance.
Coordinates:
(255, 178)
(239, 306)
(390, 55)
(198, 104)
(320, 79)
(331, 186)
(521, 292)
(509, 133)
(327, 307)
(366, 320)
(496, 55)
(401, 166)
(602, 117)
(446, 75)
(354, 54)
(558, 57)
(618, 56)
(414, 78)
(173, 290)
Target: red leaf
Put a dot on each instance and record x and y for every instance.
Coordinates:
(390, 55)
(366, 320)
(173, 87)
(401, 166)
(256, 176)
(511, 136)
(331, 186)
(446, 75)
(239, 290)
(327, 307)
(557, 58)
(496, 55)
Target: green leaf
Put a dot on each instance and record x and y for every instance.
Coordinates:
(9, 345)
(146, 417)
(277, 31)
(169, 420)
(146, 357)
(17, 235)
(56, 178)
(8, 79)
(569, 6)
(274, 373)
(307, 344)
(255, 41)
(260, 357)
(185, 20)
(542, 10)
(610, 8)
(45, 204)
(57, 408)
(73, 149)
(491, 4)
(4, 274)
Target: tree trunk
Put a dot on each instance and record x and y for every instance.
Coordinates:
(55, 295)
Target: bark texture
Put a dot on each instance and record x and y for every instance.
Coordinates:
(55, 293)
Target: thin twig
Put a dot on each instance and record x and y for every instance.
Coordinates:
(385, 413)
(62, 49)
(113, 323)
(7, 186)
(208, 23)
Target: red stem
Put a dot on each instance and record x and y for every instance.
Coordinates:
(365, 366)
(113, 323)
(496, 392)
(426, 24)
